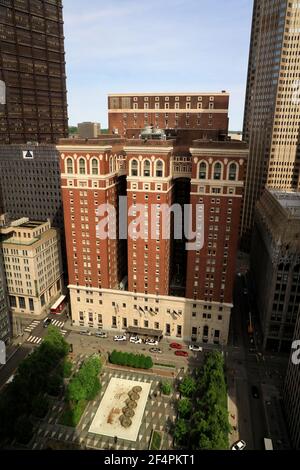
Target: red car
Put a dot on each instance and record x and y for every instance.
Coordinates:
(176, 346)
(181, 353)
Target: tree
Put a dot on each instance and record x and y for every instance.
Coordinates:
(55, 339)
(40, 406)
(185, 408)
(67, 369)
(54, 385)
(75, 391)
(23, 430)
(181, 432)
(187, 387)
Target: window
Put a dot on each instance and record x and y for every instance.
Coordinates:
(70, 169)
(114, 322)
(95, 167)
(179, 331)
(232, 172)
(43, 300)
(31, 305)
(82, 169)
(217, 171)
(203, 171)
(13, 301)
(134, 167)
(159, 169)
(147, 168)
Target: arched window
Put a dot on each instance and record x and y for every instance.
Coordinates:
(217, 171)
(111, 165)
(159, 169)
(95, 167)
(82, 168)
(203, 171)
(147, 168)
(134, 168)
(232, 172)
(70, 168)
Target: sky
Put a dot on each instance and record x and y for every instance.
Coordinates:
(155, 46)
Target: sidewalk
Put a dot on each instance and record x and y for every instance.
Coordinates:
(233, 411)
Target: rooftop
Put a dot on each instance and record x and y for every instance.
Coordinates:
(289, 200)
(212, 93)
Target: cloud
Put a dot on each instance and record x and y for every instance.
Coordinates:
(173, 45)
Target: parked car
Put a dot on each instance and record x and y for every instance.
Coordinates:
(151, 342)
(255, 392)
(135, 340)
(239, 445)
(181, 353)
(101, 334)
(120, 338)
(47, 322)
(176, 346)
(195, 348)
(85, 332)
(155, 351)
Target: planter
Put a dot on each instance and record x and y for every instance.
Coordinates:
(156, 440)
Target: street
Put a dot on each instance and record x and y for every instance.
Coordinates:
(249, 366)
(246, 366)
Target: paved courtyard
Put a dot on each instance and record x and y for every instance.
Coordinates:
(107, 419)
(159, 414)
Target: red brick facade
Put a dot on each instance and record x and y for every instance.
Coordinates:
(181, 111)
(91, 173)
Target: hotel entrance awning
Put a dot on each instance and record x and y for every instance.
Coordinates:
(134, 330)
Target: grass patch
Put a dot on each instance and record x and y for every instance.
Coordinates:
(156, 440)
(72, 414)
(171, 366)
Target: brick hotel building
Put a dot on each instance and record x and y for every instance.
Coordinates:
(153, 286)
(168, 111)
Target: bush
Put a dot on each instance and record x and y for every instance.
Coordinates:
(166, 388)
(137, 361)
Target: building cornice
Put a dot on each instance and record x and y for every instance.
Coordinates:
(120, 95)
(151, 150)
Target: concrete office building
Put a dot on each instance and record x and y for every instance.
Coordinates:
(89, 130)
(33, 266)
(272, 111)
(30, 182)
(32, 72)
(168, 111)
(275, 266)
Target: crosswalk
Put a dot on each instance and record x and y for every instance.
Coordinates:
(32, 326)
(34, 340)
(57, 323)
